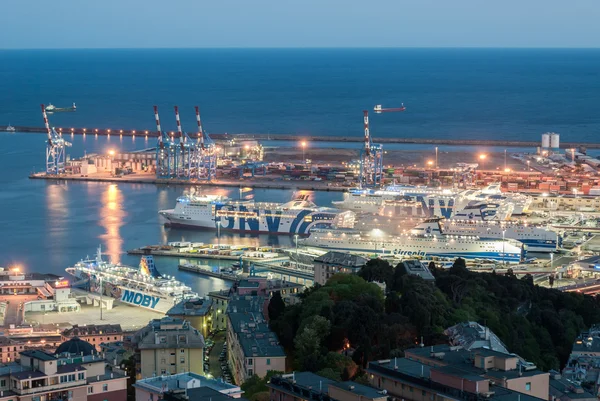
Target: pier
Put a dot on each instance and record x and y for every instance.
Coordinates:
(203, 272)
(294, 137)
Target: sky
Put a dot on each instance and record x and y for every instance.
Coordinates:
(301, 23)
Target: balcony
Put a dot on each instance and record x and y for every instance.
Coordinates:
(53, 387)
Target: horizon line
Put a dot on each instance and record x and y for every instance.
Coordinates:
(314, 48)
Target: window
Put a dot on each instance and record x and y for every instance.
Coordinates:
(2, 383)
(80, 376)
(91, 390)
(163, 371)
(249, 362)
(250, 372)
(268, 361)
(105, 387)
(182, 351)
(182, 360)
(528, 386)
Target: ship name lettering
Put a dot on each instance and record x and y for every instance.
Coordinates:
(140, 299)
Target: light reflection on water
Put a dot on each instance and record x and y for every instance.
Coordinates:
(112, 216)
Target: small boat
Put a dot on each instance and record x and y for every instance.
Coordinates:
(53, 109)
(10, 128)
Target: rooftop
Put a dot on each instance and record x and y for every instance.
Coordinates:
(360, 389)
(199, 394)
(342, 259)
(168, 332)
(472, 335)
(41, 355)
(93, 329)
(161, 384)
(248, 284)
(418, 374)
(416, 268)
(248, 322)
(191, 307)
(560, 386)
(302, 383)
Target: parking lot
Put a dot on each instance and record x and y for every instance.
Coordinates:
(14, 309)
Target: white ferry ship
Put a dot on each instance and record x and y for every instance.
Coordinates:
(423, 245)
(217, 212)
(144, 287)
(479, 220)
(435, 202)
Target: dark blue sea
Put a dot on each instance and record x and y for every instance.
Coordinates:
(449, 93)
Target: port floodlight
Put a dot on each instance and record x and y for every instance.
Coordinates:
(482, 156)
(303, 144)
(430, 163)
(111, 152)
(507, 170)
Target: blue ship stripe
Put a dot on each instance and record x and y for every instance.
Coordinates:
(468, 255)
(299, 218)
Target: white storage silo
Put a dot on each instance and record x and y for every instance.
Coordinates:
(545, 141)
(554, 141)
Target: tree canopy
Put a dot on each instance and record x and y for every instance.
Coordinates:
(340, 326)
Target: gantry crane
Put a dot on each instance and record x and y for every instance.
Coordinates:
(55, 149)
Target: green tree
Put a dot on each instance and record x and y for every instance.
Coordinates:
(255, 387)
(309, 348)
(276, 306)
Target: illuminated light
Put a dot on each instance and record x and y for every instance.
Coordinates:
(61, 284)
(108, 130)
(121, 131)
(111, 152)
(133, 132)
(482, 156)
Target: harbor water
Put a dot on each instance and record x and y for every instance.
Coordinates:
(47, 226)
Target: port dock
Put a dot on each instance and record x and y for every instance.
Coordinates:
(211, 252)
(294, 138)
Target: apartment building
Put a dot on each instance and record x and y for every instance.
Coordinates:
(499, 368)
(253, 285)
(10, 349)
(334, 262)
(451, 373)
(190, 384)
(197, 312)
(252, 348)
(307, 386)
(168, 346)
(65, 376)
(94, 334)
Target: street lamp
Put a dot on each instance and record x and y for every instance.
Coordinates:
(436, 157)
(528, 161)
(482, 157)
(429, 163)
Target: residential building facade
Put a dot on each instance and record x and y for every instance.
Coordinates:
(252, 348)
(196, 311)
(157, 388)
(169, 346)
(41, 376)
(95, 334)
(10, 349)
(334, 262)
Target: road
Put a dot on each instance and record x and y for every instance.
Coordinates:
(213, 358)
(14, 309)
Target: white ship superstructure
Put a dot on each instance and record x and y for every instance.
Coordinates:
(434, 202)
(216, 212)
(480, 220)
(424, 245)
(143, 287)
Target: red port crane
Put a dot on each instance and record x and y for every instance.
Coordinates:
(380, 109)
